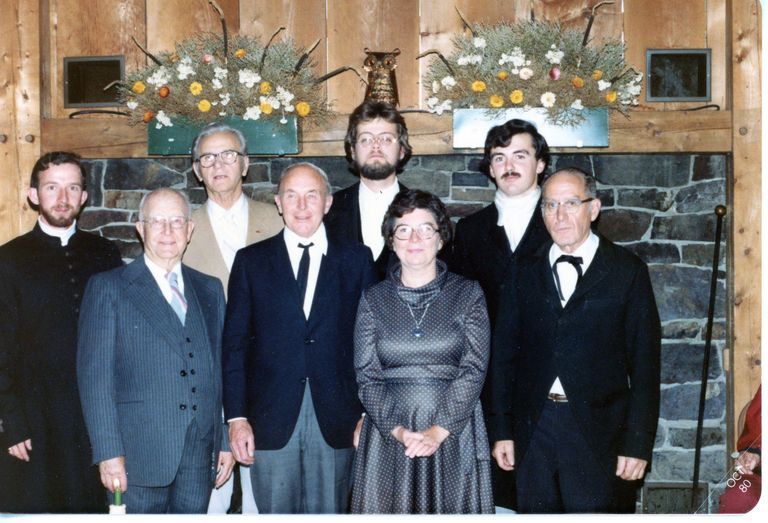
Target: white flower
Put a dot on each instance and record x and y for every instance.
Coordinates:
(479, 42)
(271, 100)
(284, 95)
(288, 108)
(159, 77)
(633, 89)
(163, 120)
(220, 73)
(132, 104)
(471, 59)
(224, 98)
(602, 85)
(249, 77)
(216, 83)
(435, 86)
(577, 105)
(554, 55)
(438, 108)
(448, 82)
(516, 58)
(526, 73)
(185, 69)
(252, 113)
(548, 99)
(223, 113)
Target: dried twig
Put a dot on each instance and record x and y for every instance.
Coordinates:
(338, 71)
(264, 54)
(464, 20)
(218, 9)
(304, 57)
(440, 55)
(591, 20)
(150, 55)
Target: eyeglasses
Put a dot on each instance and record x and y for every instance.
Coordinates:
(549, 207)
(158, 223)
(228, 157)
(425, 231)
(383, 140)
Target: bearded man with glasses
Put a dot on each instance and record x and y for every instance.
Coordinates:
(574, 372)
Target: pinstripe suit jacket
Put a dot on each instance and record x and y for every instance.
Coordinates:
(131, 353)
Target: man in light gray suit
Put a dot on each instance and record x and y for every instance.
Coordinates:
(149, 369)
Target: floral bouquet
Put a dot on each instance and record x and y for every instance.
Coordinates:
(531, 64)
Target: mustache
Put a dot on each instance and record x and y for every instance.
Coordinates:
(507, 174)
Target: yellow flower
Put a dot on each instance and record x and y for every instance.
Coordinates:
(204, 106)
(265, 87)
(266, 108)
(240, 53)
(502, 75)
(139, 87)
(516, 96)
(302, 109)
(597, 74)
(577, 82)
(195, 88)
(610, 97)
(478, 86)
(496, 101)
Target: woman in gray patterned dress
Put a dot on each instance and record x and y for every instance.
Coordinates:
(421, 354)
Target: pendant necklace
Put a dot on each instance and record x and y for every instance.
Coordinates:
(418, 332)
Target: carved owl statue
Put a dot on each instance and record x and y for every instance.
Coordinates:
(382, 84)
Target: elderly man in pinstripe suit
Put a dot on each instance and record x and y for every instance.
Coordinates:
(149, 369)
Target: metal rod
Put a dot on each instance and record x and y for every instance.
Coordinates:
(720, 211)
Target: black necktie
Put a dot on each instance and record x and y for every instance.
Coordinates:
(303, 274)
(576, 261)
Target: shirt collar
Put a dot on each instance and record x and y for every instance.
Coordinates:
(62, 234)
(387, 194)
(319, 238)
(586, 250)
(159, 272)
(216, 212)
(512, 206)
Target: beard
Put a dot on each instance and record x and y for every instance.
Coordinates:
(60, 220)
(376, 171)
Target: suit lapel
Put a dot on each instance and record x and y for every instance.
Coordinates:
(595, 274)
(204, 230)
(281, 268)
(198, 298)
(547, 280)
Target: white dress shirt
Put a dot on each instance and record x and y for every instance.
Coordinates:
(316, 253)
(515, 213)
(230, 227)
(158, 273)
(62, 234)
(373, 207)
(569, 277)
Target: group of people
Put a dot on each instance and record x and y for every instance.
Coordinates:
(339, 352)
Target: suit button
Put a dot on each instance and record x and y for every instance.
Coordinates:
(309, 341)
(183, 374)
(191, 355)
(303, 380)
(192, 372)
(189, 340)
(194, 389)
(194, 407)
(182, 407)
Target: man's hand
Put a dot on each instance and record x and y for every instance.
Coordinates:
(111, 470)
(356, 434)
(241, 441)
(630, 469)
(504, 453)
(224, 468)
(433, 438)
(747, 462)
(20, 450)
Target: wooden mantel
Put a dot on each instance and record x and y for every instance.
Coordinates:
(643, 132)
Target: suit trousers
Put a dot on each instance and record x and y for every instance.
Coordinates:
(306, 476)
(191, 488)
(559, 473)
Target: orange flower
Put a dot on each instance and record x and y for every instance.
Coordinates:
(139, 87)
(164, 91)
(265, 87)
(240, 53)
(266, 108)
(148, 116)
(496, 101)
(516, 97)
(577, 82)
(204, 106)
(195, 88)
(610, 97)
(502, 75)
(478, 86)
(597, 74)
(302, 109)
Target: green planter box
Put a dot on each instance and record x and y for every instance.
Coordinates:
(470, 126)
(267, 137)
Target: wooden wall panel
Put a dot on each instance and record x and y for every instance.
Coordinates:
(717, 40)
(171, 21)
(380, 25)
(574, 14)
(95, 28)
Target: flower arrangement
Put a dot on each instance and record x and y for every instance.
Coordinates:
(531, 64)
(206, 78)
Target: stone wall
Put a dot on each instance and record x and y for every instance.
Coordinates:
(659, 206)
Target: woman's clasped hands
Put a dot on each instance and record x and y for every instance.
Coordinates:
(420, 444)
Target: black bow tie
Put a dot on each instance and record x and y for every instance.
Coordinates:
(576, 261)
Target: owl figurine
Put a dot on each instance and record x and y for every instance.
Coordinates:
(382, 84)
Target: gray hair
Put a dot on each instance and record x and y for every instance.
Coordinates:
(215, 128)
(308, 165)
(590, 183)
(166, 190)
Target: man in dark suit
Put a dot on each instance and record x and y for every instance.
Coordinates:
(44, 465)
(149, 369)
(377, 150)
(290, 394)
(575, 377)
(490, 243)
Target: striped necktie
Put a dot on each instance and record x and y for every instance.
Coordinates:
(178, 303)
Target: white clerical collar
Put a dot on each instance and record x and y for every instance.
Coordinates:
(57, 232)
(216, 212)
(512, 206)
(319, 239)
(387, 194)
(586, 251)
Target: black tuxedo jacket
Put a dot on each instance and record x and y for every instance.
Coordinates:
(604, 345)
(343, 223)
(270, 349)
